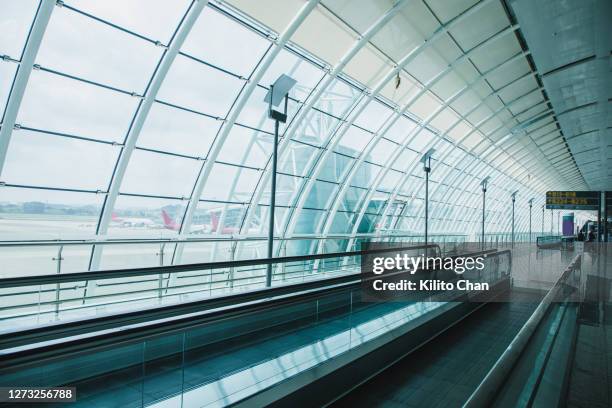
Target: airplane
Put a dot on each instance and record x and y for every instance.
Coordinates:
(172, 225)
(214, 220)
(132, 221)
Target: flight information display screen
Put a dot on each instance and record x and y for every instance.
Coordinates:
(572, 200)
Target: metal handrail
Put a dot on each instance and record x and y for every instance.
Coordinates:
(218, 238)
(171, 269)
(489, 386)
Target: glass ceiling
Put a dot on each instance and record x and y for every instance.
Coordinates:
(145, 119)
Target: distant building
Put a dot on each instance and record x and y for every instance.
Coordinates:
(34, 207)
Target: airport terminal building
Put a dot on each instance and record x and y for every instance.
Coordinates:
(201, 203)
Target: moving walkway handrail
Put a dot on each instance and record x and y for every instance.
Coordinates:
(249, 302)
(193, 240)
(156, 270)
(493, 381)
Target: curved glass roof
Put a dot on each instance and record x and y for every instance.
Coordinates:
(125, 119)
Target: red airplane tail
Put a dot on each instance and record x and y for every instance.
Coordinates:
(169, 223)
(214, 221)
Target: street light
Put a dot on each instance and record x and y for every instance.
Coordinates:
(483, 184)
(513, 200)
(426, 160)
(530, 205)
(278, 92)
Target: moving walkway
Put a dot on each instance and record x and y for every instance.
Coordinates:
(268, 346)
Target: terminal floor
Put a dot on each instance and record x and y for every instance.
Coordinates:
(445, 371)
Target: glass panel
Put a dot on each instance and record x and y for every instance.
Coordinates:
(306, 74)
(59, 104)
(217, 218)
(227, 44)
(316, 128)
(335, 167)
(320, 194)
(160, 174)
(308, 221)
(337, 98)
(373, 116)
(286, 187)
(223, 177)
(178, 131)
(354, 141)
(40, 159)
(352, 198)
(382, 151)
(15, 22)
(194, 85)
(390, 180)
(144, 217)
(7, 73)
(155, 19)
(365, 175)
(405, 159)
(104, 55)
(343, 223)
(46, 214)
(419, 142)
(295, 158)
(247, 147)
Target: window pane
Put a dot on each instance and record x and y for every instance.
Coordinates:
(223, 177)
(15, 22)
(400, 129)
(196, 86)
(306, 74)
(214, 35)
(286, 187)
(320, 194)
(308, 221)
(354, 141)
(7, 73)
(316, 128)
(335, 167)
(104, 55)
(39, 159)
(373, 116)
(144, 217)
(217, 218)
(64, 105)
(155, 19)
(178, 131)
(295, 158)
(247, 147)
(46, 214)
(337, 99)
(382, 151)
(160, 174)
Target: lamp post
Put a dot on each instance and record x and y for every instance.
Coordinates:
(426, 160)
(542, 219)
(279, 92)
(483, 184)
(530, 206)
(513, 201)
(552, 222)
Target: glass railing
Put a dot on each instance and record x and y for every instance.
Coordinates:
(24, 258)
(39, 299)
